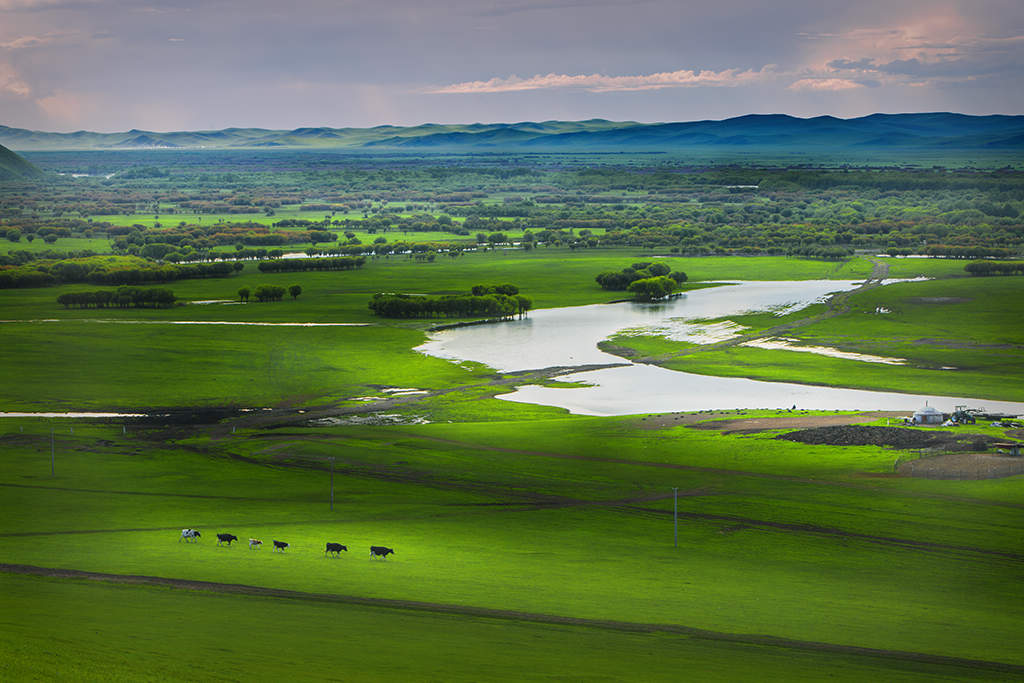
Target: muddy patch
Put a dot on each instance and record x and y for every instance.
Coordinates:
(891, 437)
(375, 419)
(963, 466)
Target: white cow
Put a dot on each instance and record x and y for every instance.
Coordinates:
(189, 535)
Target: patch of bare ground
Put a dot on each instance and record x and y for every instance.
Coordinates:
(963, 466)
(784, 419)
(892, 437)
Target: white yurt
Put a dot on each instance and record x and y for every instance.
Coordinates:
(928, 416)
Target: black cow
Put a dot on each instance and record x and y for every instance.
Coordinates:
(280, 545)
(335, 548)
(380, 551)
(226, 538)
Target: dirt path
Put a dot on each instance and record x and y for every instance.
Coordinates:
(837, 305)
(513, 615)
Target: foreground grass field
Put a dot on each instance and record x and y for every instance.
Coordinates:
(796, 542)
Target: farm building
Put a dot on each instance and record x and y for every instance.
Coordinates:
(928, 416)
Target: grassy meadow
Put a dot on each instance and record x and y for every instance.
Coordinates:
(530, 544)
(957, 336)
(832, 559)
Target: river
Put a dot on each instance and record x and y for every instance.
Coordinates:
(569, 337)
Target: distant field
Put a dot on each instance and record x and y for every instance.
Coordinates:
(97, 244)
(74, 363)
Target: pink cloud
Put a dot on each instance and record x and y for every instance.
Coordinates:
(601, 83)
(824, 84)
(10, 82)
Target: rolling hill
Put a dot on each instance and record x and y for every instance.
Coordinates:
(14, 167)
(939, 131)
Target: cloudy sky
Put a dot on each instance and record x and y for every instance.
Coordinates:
(110, 65)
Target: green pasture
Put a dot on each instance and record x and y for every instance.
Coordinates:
(550, 277)
(959, 336)
(477, 523)
(97, 244)
(296, 640)
(76, 364)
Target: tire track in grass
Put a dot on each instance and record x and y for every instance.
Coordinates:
(207, 496)
(515, 615)
(802, 527)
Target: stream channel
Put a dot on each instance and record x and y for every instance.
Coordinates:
(569, 337)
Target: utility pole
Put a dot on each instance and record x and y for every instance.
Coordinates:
(331, 458)
(675, 514)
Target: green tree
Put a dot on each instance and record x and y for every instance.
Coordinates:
(243, 294)
(652, 288)
(295, 290)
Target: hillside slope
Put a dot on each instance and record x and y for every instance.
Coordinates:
(15, 167)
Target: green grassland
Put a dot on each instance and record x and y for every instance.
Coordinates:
(57, 357)
(958, 336)
(520, 532)
(99, 245)
(835, 558)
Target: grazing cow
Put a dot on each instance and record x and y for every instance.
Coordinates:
(380, 551)
(189, 535)
(280, 545)
(335, 548)
(226, 538)
(255, 543)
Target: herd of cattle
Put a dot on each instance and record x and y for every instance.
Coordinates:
(193, 535)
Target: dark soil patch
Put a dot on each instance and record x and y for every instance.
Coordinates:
(963, 466)
(893, 437)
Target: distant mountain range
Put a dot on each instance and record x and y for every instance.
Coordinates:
(14, 167)
(938, 131)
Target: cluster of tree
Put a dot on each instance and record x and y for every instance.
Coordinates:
(653, 288)
(620, 281)
(122, 297)
(104, 272)
(491, 304)
(483, 290)
(269, 293)
(19, 257)
(828, 253)
(955, 252)
(292, 265)
(995, 268)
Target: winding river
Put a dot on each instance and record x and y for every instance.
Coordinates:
(569, 337)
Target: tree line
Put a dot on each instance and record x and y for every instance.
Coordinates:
(101, 272)
(491, 301)
(983, 268)
(293, 265)
(123, 297)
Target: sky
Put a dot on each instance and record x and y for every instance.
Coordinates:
(114, 65)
